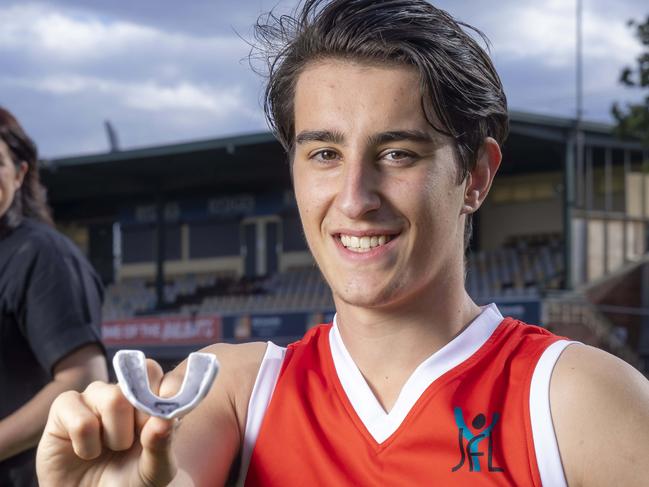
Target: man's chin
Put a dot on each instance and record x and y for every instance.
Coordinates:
(360, 299)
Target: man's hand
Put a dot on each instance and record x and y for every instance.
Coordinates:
(97, 438)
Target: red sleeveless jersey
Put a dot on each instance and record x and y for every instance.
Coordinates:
(470, 427)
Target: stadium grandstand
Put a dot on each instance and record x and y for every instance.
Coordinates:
(201, 241)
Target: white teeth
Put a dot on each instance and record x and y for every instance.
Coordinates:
(363, 244)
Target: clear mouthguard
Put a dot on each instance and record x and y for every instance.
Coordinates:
(130, 367)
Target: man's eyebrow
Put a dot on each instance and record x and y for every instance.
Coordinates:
(399, 135)
(335, 137)
(329, 136)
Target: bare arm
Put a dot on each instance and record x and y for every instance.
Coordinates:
(97, 438)
(23, 428)
(600, 409)
(205, 454)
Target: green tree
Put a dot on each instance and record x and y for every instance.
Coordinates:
(633, 119)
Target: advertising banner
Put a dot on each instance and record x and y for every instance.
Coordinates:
(162, 330)
(281, 328)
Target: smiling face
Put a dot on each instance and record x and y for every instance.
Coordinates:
(10, 178)
(376, 186)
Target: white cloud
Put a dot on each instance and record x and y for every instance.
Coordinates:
(76, 38)
(56, 34)
(184, 96)
(547, 31)
(143, 69)
(156, 85)
(148, 95)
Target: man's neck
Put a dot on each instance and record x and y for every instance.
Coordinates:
(387, 344)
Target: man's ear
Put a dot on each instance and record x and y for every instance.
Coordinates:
(478, 181)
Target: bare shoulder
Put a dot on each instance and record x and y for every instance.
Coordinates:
(239, 368)
(244, 355)
(239, 365)
(600, 410)
(217, 425)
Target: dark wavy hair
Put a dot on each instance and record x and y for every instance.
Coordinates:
(461, 93)
(31, 199)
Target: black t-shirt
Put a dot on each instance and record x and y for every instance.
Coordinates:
(50, 305)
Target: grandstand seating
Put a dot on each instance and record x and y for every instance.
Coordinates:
(524, 267)
(131, 297)
(293, 290)
(127, 298)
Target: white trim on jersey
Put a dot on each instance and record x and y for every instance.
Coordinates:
(381, 424)
(262, 391)
(545, 439)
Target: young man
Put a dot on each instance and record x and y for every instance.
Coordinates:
(392, 117)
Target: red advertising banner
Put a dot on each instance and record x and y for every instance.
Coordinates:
(162, 330)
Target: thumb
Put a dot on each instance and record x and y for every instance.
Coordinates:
(157, 465)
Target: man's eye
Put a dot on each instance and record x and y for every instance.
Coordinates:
(325, 155)
(398, 156)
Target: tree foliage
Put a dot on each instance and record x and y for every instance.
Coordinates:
(633, 119)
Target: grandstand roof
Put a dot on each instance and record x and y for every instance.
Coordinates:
(246, 162)
(558, 129)
(229, 144)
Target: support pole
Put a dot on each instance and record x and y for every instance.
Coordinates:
(568, 204)
(160, 251)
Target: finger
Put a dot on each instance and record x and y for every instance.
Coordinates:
(115, 413)
(71, 418)
(157, 465)
(155, 373)
(172, 381)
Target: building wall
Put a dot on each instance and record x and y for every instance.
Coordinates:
(521, 205)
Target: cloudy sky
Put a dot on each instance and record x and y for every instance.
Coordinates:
(168, 71)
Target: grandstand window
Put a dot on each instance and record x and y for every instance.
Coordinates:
(535, 187)
(214, 239)
(293, 236)
(139, 243)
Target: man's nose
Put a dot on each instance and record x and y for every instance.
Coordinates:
(358, 193)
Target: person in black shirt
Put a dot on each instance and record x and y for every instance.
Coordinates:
(50, 309)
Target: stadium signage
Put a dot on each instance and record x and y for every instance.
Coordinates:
(206, 208)
(235, 205)
(162, 331)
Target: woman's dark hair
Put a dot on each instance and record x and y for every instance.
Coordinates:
(31, 199)
(462, 95)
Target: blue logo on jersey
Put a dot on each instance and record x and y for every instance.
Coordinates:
(470, 450)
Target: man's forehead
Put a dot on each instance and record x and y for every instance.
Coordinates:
(334, 95)
(332, 70)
